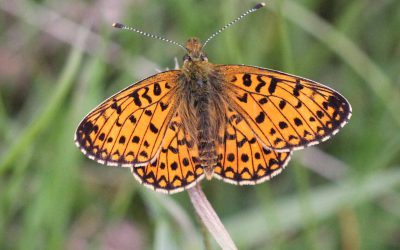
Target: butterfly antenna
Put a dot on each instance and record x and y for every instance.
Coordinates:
(124, 27)
(255, 8)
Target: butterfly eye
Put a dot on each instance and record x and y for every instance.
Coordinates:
(204, 58)
(187, 58)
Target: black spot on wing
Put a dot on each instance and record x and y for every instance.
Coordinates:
(298, 105)
(116, 108)
(167, 86)
(246, 80)
(297, 88)
(132, 118)
(253, 140)
(162, 165)
(118, 123)
(163, 106)
(260, 118)
(157, 89)
(244, 157)
(272, 85)
(173, 149)
(241, 142)
(243, 98)
(174, 166)
(261, 84)
(136, 98)
(282, 104)
(297, 121)
(144, 154)
(263, 100)
(153, 128)
(185, 162)
(102, 136)
(283, 125)
(146, 96)
(231, 157)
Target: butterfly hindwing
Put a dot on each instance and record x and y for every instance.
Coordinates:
(128, 128)
(245, 161)
(176, 167)
(285, 112)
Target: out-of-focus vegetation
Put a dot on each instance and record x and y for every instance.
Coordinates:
(59, 59)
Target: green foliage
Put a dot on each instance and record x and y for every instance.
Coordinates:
(58, 61)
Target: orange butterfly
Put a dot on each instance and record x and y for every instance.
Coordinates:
(233, 122)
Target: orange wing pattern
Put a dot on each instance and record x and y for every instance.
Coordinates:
(128, 128)
(244, 160)
(285, 112)
(176, 168)
(269, 114)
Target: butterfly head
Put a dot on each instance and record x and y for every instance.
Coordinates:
(194, 51)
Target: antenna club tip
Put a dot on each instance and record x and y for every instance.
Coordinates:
(118, 25)
(260, 5)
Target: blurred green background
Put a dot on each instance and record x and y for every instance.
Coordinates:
(59, 59)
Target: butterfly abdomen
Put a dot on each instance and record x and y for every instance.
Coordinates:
(206, 135)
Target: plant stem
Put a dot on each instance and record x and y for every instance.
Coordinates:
(209, 218)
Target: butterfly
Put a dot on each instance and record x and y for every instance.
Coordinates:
(233, 122)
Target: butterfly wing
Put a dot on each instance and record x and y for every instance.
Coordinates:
(177, 167)
(128, 128)
(245, 161)
(285, 112)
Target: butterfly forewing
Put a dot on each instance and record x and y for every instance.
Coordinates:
(285, 112)
(128, 128)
